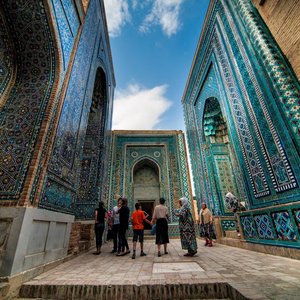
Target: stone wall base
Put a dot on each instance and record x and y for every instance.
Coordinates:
(30, 237)
(274, 250)
(10, 286)
(82, 236)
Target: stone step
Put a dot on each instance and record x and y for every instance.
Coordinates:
(4, 288)
(154, 291)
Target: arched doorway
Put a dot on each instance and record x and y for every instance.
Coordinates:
(92, 163)
(146, 185)
(218, 155)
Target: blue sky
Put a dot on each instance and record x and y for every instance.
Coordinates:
(153, 44)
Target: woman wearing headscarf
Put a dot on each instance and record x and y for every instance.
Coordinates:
(205, 221)
(186, 227)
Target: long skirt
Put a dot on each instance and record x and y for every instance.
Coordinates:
(187, 235)
(208, 230)
(162, 236)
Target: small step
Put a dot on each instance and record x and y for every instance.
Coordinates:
(4, 288)
(153, 291)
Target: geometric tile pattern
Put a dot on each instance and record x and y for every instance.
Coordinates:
(263, 225)
(27, 101)
(278, 165)
(78, 163)
(68, 24)
(183, 166)
(228, 224)
(251, 158)
(296, 213)
(277, 69)
(249, 227)
(283, 226)
(225, 178)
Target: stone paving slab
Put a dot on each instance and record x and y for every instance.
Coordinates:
(255, 275)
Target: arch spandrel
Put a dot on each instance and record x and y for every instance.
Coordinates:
(25, 123)
(146, 160)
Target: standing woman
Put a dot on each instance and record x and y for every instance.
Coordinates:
(186, 228)
(124, 219)
(160, 215)
(100, 216)
(205, 221)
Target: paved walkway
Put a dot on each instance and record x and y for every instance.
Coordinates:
(255, 275)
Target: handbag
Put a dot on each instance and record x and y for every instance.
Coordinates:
(153, 229)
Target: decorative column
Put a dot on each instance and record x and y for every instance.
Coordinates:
(269, 54)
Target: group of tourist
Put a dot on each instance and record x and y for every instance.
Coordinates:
(119, 220)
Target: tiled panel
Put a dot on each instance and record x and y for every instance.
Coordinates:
(283, 225)
(249, 227)
(68, 24)
(264, 227)
(36, 74)
(6, 55)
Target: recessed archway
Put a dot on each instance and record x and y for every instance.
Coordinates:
(91, 162)
(146, 184)
(219, 158)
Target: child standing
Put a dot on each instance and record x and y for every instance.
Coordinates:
(137, 219)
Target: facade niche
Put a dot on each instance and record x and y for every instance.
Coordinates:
(214, 125)
(91, 162)
(218, 155)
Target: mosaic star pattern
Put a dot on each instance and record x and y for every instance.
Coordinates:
(284, 228)
(35, 59)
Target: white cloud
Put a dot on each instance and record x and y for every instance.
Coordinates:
(138, 108)
(164, 13)
(117, 14)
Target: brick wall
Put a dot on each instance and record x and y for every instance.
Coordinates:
(283, 20)
(82, 237)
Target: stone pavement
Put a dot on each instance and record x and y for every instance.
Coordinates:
(254, 275)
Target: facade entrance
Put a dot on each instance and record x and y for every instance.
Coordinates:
(148, 165)
(147, 207)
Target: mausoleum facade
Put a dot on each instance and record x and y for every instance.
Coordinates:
(56, 91)
(242, 114)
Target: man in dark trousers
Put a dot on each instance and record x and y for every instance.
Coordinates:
(124, 218)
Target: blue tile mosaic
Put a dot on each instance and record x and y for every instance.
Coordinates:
(35, 61)
(239, 63)
(249, 227)
(263, 225)
(283, 225)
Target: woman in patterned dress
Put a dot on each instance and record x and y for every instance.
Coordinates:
(186, 228)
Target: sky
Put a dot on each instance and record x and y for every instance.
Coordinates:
(153, 44)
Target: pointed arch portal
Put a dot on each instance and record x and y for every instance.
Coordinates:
(146, 185)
